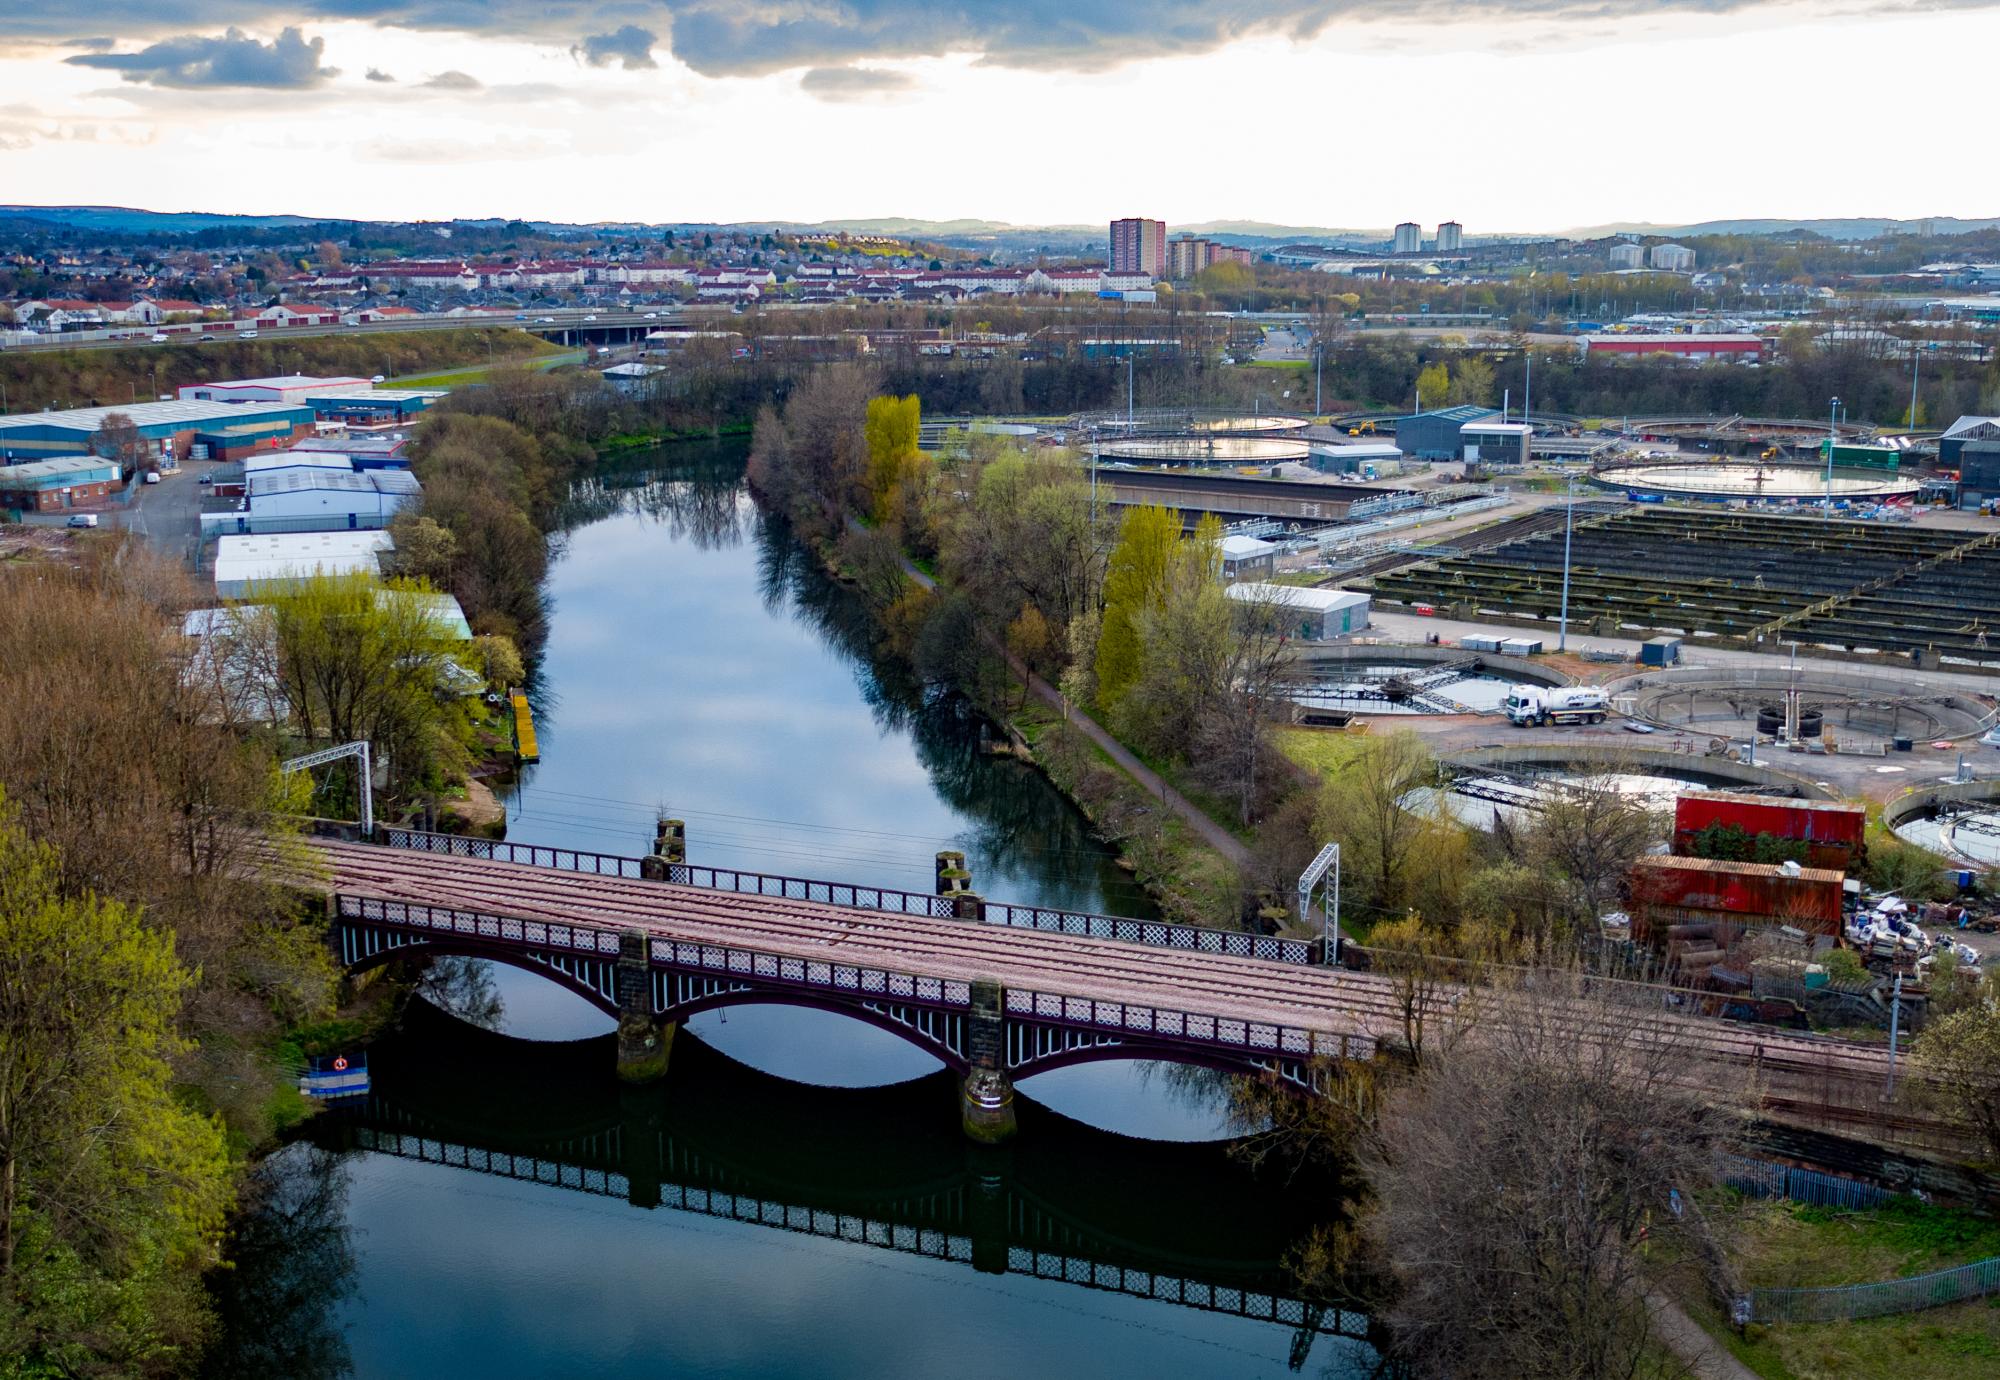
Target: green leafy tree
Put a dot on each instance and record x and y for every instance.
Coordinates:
(1472, 382)
(1135, 581)
(112, 1190)
(891, 428)
(1433, 383)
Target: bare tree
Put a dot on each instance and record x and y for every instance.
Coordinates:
(1518, 1178)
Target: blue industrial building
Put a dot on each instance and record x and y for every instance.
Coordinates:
(374, 406)
(1435, 435)
(228, 430)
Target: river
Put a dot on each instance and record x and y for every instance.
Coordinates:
(795, 1198)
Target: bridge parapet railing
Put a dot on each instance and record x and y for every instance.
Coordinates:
(807, 889)
(718, 960)
(500, 850)
(1082, 924)
(1222, 1032)
(1159, 934)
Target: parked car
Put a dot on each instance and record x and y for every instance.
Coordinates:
(208, 479)
(152, 476)
(82, 520)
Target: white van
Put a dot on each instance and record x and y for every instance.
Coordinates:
(83, 520)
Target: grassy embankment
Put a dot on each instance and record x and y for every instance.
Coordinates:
(1788, 1245)
(37, 379)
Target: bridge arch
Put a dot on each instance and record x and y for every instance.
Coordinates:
(597, 989)
(941, 1044)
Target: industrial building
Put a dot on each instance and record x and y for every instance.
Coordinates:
(228, 431)
(1312, 615)
(1959, 432)
(376, 451)
(1247, 558)
(1495, 443)
(1409, 238)
(1699, 348)
(1139, 246)
(365, 500)
(1451, 237)
(46, 486)
(1436, 435)
(373, 406)
(294, 389)
(1978, 473)
(1362, 459)
(244, 564)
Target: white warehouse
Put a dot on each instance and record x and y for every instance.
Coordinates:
(365, 499)
(1312, 615)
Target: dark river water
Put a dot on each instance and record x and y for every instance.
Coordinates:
(795, 1198)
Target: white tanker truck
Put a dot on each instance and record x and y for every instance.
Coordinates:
(1571, 704)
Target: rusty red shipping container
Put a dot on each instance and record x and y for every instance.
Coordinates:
(1832, 830)
(1675, 890)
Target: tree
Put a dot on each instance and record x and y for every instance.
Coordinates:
(118, 439)
(359, 662)
(1363, 806)
(425, 550)
(891, 428)
(1961, 1054)
(1520, 1176)
(112, 1189)
(1433, 383)
(1472, 382)
(1029, 639)
(1135, 580)
(1585, 838)
(329, 256)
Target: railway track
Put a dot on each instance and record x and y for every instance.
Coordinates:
(1812, 1078)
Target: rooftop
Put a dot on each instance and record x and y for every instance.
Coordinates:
(289, 381)
(184, 413)
(42, 471)
(1296, 597)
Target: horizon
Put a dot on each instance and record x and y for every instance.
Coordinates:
(623, 112)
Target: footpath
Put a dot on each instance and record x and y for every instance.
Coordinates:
(1213, 834)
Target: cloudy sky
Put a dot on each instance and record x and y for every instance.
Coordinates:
(1503, 114)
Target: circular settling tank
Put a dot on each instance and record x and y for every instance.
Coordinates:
(1331, 690)
(1205, 450)
(1733, 703)
(1486, 801)
(1749, 480)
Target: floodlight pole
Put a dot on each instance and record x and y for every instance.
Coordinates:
(1569, 524)
(1832, 433)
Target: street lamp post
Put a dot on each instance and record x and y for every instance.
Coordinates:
(1569, 523)
(1832, 433)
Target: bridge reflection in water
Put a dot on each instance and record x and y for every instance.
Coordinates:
(1181, 1224)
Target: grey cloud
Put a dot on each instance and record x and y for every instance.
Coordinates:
(289, 62)
(93, 45)
(453, 81)
(852, 83)
(748, 37)
(377, 74)
(630, 46)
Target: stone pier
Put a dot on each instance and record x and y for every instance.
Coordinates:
(644, 1041)
(986, 1097)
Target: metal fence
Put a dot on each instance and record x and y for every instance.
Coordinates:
(1843, 1302)
(498, 850)
(1763, 1179)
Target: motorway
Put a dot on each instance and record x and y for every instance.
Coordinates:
(552, 321)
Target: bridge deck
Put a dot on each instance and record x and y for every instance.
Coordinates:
(1248, 989)
(1799, 1071)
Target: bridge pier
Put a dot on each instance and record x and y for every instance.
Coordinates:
(669, 848)
(954, 883)
(986, 1096)
(644, 1041)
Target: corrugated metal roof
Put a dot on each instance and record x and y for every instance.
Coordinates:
(1748, 869)
(90, 419)
(39, 473)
